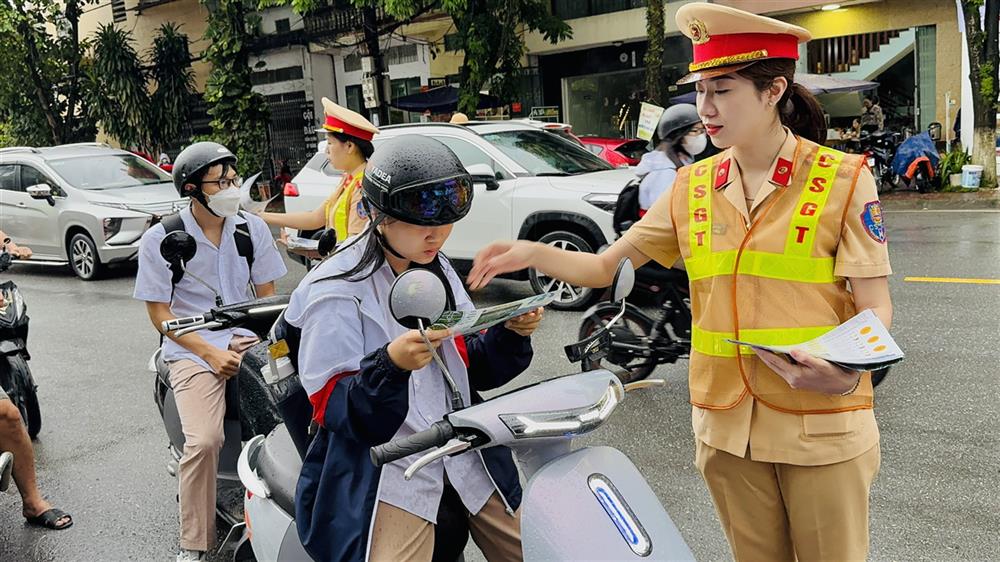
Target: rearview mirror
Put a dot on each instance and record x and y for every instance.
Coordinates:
(327, 242)
(623, 282)
(483, 173)
(417, 296)
(178, 248)
(41, 191)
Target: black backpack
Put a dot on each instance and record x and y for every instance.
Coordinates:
(244, 243)
(626, 208)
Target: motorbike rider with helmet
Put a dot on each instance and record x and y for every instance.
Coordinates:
(201, 362)
(371, 380)
(681, 138)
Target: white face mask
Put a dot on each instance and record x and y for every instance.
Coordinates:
(225, 203)
(694, 145)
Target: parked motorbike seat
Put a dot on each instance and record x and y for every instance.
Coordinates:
(279, 465)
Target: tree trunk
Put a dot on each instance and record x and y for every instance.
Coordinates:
(654, 51)
(34, 63)
(984, 154)
(69, 123)
(983, 76)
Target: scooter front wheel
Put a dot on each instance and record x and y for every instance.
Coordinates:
(627, 338)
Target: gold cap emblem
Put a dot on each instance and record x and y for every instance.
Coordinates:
(698, 31)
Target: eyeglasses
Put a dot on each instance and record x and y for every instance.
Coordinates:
(226, 183)
(696, 131)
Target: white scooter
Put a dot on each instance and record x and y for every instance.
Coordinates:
(589, 503)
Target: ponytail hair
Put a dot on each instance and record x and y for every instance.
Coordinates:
(798, 108)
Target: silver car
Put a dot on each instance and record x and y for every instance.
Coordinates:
(85, 205)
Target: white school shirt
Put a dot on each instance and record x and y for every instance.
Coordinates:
(222, 268)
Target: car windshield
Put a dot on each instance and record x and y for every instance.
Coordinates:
(544, 154)
(108, 171)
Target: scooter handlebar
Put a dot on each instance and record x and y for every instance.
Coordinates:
(179, 323)
(435, 436)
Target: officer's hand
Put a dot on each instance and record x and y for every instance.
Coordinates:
(409, 351)
(525, 324)
(282, 237)
(22, 252)
(499, 258)
(224, 363)
(811, 373)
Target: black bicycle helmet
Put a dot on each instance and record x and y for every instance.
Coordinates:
(675, 118)
(417, 180)
(192, 162)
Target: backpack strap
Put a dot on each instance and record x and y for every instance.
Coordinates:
(244, 242)
(173, 223)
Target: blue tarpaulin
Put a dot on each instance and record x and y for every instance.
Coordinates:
(439, 100)
(913, 148)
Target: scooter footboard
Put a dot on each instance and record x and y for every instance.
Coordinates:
(594, 504)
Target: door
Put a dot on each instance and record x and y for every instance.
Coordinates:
(14, 207)
(43, 227)
(490, 216)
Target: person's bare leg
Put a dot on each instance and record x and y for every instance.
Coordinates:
(14, 438)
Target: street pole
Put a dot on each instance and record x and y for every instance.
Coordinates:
(369, 16)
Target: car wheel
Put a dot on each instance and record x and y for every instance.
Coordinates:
(83, 257)
(570, 297)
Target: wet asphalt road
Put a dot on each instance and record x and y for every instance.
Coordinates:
(102, 451)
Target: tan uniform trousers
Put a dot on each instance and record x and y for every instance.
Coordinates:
(776, 512)
(399, 535)
(201, 404)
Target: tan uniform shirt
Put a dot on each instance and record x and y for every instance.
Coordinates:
(770, 435)
(355, 221)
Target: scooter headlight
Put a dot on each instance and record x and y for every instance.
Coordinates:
(575, 421)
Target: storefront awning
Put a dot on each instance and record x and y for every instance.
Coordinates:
(816, 83)
(439, 100)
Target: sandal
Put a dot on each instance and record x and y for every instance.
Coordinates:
(50, 518)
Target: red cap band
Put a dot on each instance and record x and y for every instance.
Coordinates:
(735, 48)
(335, 125)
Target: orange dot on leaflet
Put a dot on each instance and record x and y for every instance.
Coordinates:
(873, 339)
(880, 348)
(866, 330)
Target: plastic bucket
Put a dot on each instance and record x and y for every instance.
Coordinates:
(971, 176)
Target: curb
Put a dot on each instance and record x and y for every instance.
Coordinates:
(985, 199)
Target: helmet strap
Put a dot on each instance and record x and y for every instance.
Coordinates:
(199, 196)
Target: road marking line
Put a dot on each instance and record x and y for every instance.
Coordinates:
(953, 280)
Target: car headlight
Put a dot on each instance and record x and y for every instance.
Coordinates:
(111, 227)
(603, 201)
(561, 423)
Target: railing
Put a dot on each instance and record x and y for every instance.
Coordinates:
(569, 9)
(839, 54)
(331, 22)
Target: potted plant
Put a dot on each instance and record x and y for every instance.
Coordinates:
(950, 167)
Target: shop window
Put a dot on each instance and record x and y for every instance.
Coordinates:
(402, 54)
(276, 75)
(352, 62)
(282, 26)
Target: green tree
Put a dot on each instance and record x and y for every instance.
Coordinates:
(981, 35)
(141, 103)
(239, 115)
(654, 51)
(492, 35)
(45, 103)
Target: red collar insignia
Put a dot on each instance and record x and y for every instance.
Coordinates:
(722, 174)
(782, 172)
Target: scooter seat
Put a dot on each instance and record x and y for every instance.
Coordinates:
(278, 466)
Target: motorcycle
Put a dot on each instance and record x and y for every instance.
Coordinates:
(586, 503)
(15, 375)
(249, 410)
(641, 340)
(608, 486)
(915, 161)
(879, 148)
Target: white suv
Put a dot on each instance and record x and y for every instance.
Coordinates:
(532, 185)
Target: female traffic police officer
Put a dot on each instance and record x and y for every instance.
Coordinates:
(370, 380)
(348, 147)
(782, 239)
